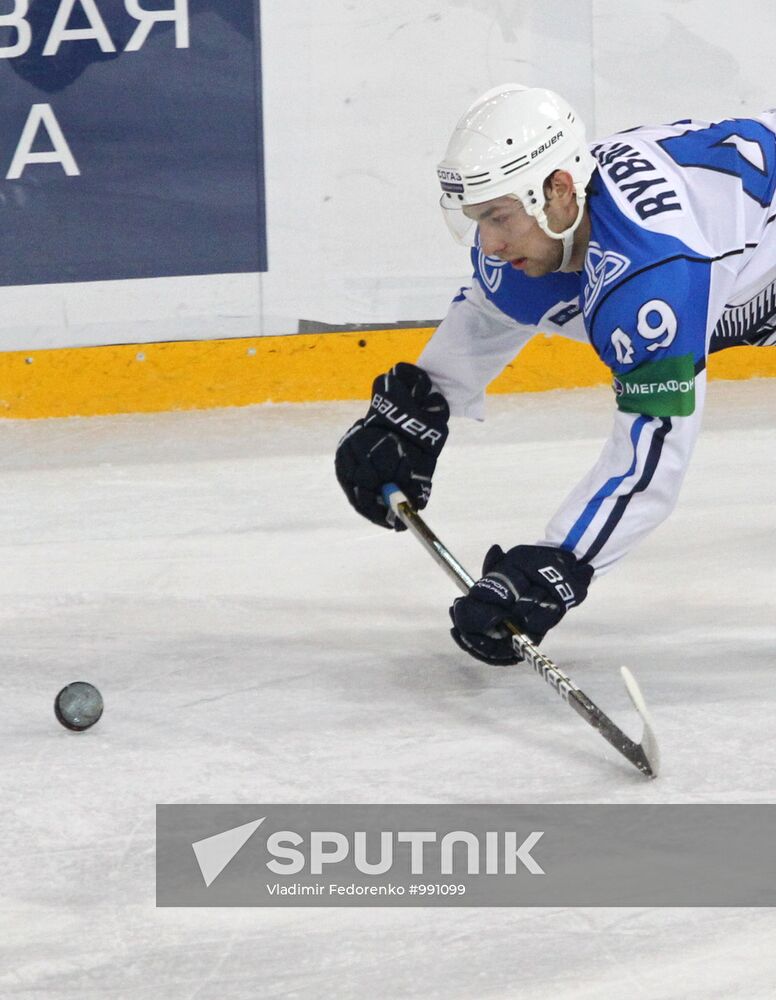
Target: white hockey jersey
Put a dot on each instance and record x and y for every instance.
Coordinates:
(681, 263)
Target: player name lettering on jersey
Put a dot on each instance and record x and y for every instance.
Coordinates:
(649, 195)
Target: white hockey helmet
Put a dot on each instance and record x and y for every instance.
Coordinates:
(508, 143)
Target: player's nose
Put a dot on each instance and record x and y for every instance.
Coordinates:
(491, 243)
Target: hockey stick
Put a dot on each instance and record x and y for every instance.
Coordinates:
(643, 755)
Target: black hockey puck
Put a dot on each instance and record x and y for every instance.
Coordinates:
(78, 706)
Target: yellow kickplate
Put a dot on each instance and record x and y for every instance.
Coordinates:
(181, 375)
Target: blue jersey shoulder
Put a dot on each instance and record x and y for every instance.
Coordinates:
(645, 294)
(658, 313)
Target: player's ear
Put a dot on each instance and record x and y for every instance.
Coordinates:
(560, 185)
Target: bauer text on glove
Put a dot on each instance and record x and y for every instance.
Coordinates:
(531, 586)
(398, 441)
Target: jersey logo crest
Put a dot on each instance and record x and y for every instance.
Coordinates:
(602, 267)
(491, 271)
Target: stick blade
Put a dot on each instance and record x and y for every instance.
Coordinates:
(648, 739)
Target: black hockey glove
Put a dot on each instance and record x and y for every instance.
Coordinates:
(398, 441)
(531, 585)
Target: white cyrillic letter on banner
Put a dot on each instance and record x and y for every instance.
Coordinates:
(22, 28)
(61, 33)
(146, 18)
(42, 114)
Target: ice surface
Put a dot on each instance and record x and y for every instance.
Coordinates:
(255, 641)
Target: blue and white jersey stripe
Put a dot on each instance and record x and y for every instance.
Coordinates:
(609, 488)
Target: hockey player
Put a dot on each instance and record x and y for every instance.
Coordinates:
(658, 247)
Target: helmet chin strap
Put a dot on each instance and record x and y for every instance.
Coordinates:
(568, 247)
(567, 236)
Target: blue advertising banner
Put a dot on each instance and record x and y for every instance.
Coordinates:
(130, 140)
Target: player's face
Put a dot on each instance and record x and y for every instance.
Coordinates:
(509, 232)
